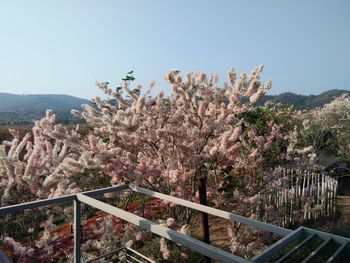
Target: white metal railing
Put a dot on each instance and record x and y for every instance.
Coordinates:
(216, 212)
(170, 234)
(163, 231)
(128, 253)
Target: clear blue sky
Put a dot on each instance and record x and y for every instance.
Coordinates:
(65, 46)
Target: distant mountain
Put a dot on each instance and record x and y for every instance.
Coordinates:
(301, 102)
(23, 109)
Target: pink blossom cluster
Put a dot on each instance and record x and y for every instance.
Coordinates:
(18, 248)
(165, 143)
(334, 117)
(41, 163)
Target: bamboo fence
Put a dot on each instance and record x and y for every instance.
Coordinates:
(306, 195)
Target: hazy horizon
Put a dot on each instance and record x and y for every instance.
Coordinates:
(30, 94)
(64, 47)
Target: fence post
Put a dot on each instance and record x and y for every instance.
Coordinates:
(77, 231)
(204, 220)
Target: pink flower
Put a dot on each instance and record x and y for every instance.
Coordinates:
(185, 230)
(164, 248)
(170, 222)
(183, 256)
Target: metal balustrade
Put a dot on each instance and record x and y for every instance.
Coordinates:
(272, 253)
(127, 254)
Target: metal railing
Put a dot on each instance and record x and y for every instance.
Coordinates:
(170, 234)
(127, 255)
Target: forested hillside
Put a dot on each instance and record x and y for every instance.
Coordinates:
(23, 109)
(301, 102)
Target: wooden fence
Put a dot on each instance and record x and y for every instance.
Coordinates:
(304, 196)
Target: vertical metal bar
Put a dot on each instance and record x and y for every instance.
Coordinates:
(77, 231)
(204, 220)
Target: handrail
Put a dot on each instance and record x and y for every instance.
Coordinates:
(216, 212)
(60, 199)
(170, 234)
(125, 250)
(196, 245)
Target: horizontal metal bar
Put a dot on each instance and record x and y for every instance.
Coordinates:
(337, 253)
(106, 190)
(219, 213)
(139, 254)
(324, 235)
(124, 249)
(297, 247)
(105, 255)
(58, 200)
(280, 244)
(133, 258)
(3, 258)
(36, 204)
(310, 257)
(165, 232)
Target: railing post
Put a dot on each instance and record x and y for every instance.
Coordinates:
(204, 221)
(77, 231)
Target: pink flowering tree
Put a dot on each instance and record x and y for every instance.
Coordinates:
(50, 161)
(40, 164)
(163, 143)
(167, 143)
(327, 129)
(37, 166)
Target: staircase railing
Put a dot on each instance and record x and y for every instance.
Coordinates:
(170, 234)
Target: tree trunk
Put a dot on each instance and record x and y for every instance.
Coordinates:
(204, 218)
